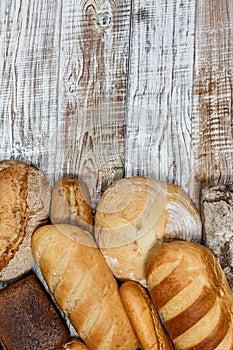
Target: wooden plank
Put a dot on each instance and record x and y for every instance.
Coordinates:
(92, 94)
(160, 90)
(212, 92)
(29, 61)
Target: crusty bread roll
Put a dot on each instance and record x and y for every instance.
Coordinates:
(144, 318)
(134, 216)
(24, 205)
(190, 291)
(83, 286)
(73, 344)
(71, 203)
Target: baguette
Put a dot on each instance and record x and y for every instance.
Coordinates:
(83, 286)
(190, 291)
(144, 318)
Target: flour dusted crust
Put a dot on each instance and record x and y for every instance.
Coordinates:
(24, 206)
(189, 289)
(134, 216)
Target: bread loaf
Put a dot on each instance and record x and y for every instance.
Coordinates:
(71, 203)
(143, 317)
(73, 344)
(134, 216)
(190, 291)
(217, 218)
(28, 317)
(83, 286)
(24, 206)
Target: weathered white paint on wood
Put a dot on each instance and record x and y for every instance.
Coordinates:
(160, 90)
(92, 94)
(29, 63)
(213, 92)
(66, 93)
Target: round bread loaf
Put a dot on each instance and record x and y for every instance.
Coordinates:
(144, 318)
(71, 203)
(134, 216)
(190, 291)
(24, 206)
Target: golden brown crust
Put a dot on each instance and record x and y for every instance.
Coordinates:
(71, 203)
(73, 344)
(83, 286)
(24, 205)
(134, 216)
(143, 316)
(190, 291)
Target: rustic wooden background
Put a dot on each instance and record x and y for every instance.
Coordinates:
(105, 89)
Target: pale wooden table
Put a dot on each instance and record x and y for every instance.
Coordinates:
(106, 89)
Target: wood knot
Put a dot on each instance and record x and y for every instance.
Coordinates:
(104, 20)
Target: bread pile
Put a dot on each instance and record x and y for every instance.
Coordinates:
(138, 277)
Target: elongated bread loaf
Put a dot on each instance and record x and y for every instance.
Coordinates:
(83, 286)
(71, 203)
(190, 291)
(144, 317)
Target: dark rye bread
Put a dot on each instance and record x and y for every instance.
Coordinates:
(24, 206)
(28, 318)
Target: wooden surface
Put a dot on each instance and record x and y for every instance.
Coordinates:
(212, 92)
(158, 140)
(29, 66)
(92, 91)
(106, 89)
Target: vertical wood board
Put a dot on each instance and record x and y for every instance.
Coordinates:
(29, 62)
(92, 94)
(212, 92)
(160, 90)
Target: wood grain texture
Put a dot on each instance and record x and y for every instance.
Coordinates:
(160, 90)
(212, 92)
(93, 81)
(29, 61)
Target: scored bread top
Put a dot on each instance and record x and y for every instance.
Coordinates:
(190, 291)
(134, 216)
(83, 286)
(71, 203)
